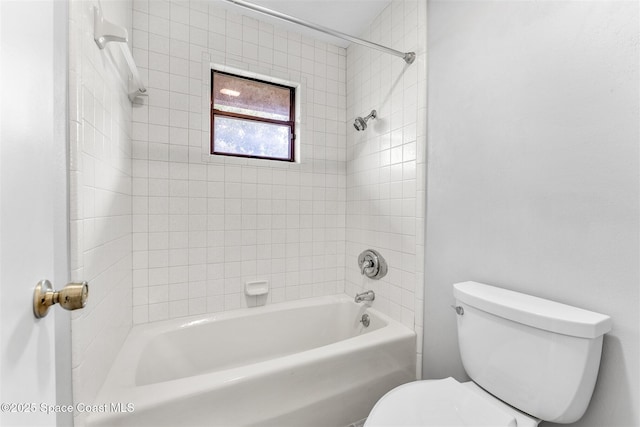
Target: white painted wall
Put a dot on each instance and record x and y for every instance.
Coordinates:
(533, 171)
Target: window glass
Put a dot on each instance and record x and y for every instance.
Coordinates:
(251, 118)
(260, 99)
(251, 138)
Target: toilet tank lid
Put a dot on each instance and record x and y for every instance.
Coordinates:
(533, 311)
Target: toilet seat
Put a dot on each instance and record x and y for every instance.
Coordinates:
(439, 403)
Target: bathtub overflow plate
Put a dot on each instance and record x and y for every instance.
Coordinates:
(365, 320)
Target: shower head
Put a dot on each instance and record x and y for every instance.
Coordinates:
(361, 123)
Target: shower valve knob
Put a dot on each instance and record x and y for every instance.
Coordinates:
(372, 264)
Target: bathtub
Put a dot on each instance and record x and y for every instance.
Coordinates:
(304, 364)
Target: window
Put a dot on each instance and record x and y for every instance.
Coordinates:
(251, 118)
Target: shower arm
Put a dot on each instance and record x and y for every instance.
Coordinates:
(408, 57)
(373, 114)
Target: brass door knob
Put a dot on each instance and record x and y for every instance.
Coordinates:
(71, 297)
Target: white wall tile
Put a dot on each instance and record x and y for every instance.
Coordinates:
(384, 161)
(202, 226)
(209, 221)
(101, 191)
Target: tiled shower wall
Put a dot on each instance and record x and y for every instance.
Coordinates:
(204, 225)
(100, 195)
(386, 162)
(201, 226)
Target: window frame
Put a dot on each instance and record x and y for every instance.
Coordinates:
(291, 123)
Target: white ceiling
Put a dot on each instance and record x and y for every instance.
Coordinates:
(347, 16)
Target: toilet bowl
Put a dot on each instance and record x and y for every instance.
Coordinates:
(444, 402)
(513, 347)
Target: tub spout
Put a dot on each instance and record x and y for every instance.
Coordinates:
(365, 296)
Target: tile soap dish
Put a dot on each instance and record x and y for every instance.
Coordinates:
(256, 288)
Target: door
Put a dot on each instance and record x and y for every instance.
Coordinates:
(35, 354)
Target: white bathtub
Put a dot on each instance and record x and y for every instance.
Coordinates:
(304, 364)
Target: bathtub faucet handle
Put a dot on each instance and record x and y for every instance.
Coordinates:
(372, 264)
(367, 263)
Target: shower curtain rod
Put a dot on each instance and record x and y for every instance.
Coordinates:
(408, 57)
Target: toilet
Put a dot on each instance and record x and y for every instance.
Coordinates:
(529, 360)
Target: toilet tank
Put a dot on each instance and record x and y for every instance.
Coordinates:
(539, 356)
